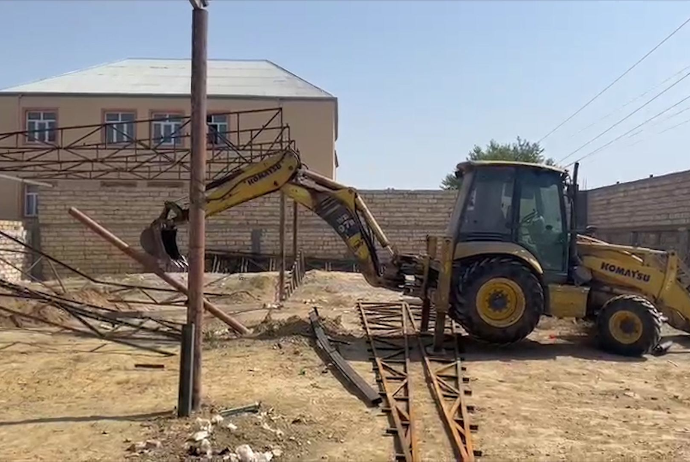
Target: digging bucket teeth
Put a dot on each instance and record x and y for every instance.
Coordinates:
(159, 240)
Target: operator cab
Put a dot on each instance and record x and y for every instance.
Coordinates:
(514, 202)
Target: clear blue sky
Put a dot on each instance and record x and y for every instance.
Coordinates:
(419, 83)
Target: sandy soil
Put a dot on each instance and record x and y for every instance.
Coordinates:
(554, 397)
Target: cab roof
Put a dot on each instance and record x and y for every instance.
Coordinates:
(471, 164)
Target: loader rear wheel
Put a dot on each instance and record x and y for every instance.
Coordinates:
(629, 325)
(498, 300)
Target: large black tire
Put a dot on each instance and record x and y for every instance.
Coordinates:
(629, 325)
(485, 289)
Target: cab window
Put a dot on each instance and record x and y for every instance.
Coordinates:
(488, 209)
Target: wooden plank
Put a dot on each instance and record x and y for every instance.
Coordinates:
(367, 392)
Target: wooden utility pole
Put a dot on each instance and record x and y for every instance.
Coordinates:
(197, 191)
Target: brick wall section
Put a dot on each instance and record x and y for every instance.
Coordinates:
(652, 212)
(405, 216)
(651, 202)
(8, 251)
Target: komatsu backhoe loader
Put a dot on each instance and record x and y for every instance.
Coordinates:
(515, 255)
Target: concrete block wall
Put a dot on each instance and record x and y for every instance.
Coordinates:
(650, 202)
(126, 208)
(10, 253)
(653, 212)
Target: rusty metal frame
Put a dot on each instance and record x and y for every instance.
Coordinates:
(388, 327)
(447, 383)
(77, 155)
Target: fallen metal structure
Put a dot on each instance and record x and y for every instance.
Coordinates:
(366, 392)
(119, 318)
(393, 329)
(97, 321)
(388, 330)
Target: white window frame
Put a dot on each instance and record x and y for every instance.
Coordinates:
(166, 122)
(30, 201)
(120, 127)
(218, 126)
(41, 126)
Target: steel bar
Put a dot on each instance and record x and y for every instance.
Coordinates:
(151, 265)
(443, 291)
(197, 195)
(448, 386)
(387, 328)
(281, 237)
(431, 247)
(83, 332)
(184, 392)
(295, 228)
(367, 393)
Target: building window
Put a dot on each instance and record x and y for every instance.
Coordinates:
(217, 128)
(30, 201)
(40, 126)
(120, 128)
(166, 128)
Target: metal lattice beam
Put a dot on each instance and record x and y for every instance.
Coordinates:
(83, 153)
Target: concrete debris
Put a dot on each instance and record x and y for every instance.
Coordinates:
(279, 433)
(206, 448)
(200, 435)
(245, 453)
(204, 424)
(216, 419)
(152, 444)
(264, 457)
(231, 426)
(136, 447)
(277, 452)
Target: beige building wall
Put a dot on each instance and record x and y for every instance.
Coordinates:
(312, 122)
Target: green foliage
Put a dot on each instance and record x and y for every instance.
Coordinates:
(520, 151)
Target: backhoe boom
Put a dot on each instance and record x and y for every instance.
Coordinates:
(338, 205)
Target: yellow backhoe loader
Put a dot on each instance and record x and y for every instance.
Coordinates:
(512, 252)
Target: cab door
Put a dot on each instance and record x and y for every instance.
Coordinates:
(541, 225)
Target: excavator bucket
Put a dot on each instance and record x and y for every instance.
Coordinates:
(159, 240)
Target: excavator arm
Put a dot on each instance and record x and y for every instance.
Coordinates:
(338, 205)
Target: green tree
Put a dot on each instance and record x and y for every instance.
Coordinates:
(519, 151)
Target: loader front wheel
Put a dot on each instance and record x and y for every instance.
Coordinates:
(497, 300)
(629, 325)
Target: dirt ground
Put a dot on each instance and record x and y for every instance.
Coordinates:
(554, 397)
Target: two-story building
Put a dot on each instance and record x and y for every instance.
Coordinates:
(156, 91)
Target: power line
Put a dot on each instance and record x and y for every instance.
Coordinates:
(627, 116)
(675, 126)
(615, 81)
(630, 131)
(630, 102)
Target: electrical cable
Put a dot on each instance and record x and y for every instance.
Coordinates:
(615, 81)
(626, 117)
(629, 131)
(629, 102)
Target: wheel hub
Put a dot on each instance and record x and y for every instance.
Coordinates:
(500, 302)
(625, 326)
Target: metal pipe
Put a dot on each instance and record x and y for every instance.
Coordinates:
(197, 193)
(295, 229)
(184, 393)
(281, 237)
(150, 264)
